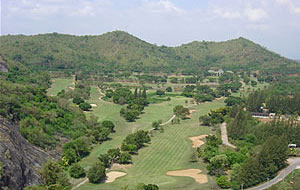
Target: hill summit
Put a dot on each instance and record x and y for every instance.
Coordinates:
(121, 51)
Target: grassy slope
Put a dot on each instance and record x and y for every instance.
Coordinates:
(59, 84)
(168, 151)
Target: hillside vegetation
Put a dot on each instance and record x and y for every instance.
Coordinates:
(120, 51)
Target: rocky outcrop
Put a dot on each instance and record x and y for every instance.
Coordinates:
(3, 65)
(21, 160)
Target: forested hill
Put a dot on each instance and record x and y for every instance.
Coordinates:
(115, 51)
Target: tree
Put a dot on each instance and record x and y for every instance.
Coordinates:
(144, 94)
(114, 154)
(85, 106)
(109, 93)
(206, 120)
(231, 101)
(169, 89)
(218, 162)
(176, 120)
(109, 125)
(52, 173)
(75, 150)
(181, 111)
(105, 159)
(135, 95)
(151, 187)
(168, 99)
(76, 171)
(124, 158)
(156, 124)
(160, 93)
(96, 173)
(253, 83)
(223, 182)
(77, 100)
(234, 176)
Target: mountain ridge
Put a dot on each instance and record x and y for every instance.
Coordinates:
(119, 50)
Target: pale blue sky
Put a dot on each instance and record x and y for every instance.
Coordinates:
(274, 24)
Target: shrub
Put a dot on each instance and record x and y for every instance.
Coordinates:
(77, 100)
(169, 89)
(109, 125)
(96, 173)
(85, 106)
(76, 171)
(160, 92)
(52, 173)
(124, 158)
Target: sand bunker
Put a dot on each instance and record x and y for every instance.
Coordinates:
(196, 141)
(112, 176)
(193, 173)
(192, 111)
(94, 105)
(116, 166)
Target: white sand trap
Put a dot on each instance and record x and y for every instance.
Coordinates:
(193, 173)
(72, 88)
(112, 176)
(197, 142)
(94, 105)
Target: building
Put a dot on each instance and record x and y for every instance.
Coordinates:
(220, 72)
(260, 115)
(292, 146)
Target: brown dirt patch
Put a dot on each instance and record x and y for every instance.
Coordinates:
(94, 105)
(112, 176)
(193, 173)
(197, 142)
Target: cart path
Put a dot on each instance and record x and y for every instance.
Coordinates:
(225, 137)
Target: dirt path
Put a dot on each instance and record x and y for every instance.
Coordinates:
(167, 122)
(101, 94)
(83, 182)
(225, 137)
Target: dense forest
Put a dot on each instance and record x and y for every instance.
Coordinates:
(120, 51)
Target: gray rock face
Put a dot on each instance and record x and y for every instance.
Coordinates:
(3, 66)
(21, 160)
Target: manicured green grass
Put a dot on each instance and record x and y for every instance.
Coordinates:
(167, 151)
(59, 84)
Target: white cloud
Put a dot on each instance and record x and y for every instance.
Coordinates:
(228, 14)
(162, 6)
(255, 15)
